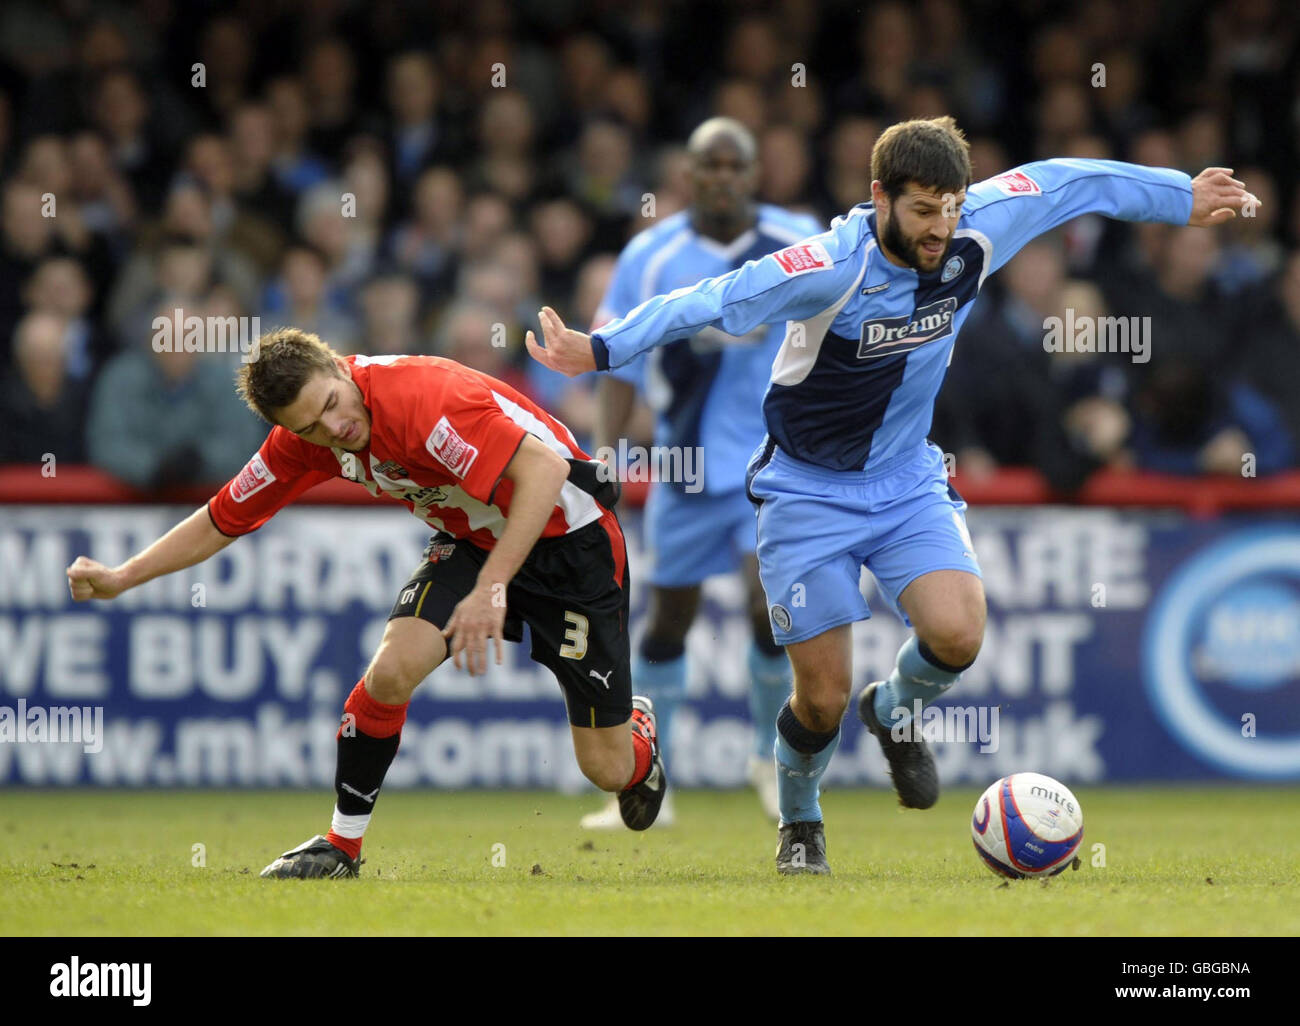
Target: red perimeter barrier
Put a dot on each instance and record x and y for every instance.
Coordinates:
(1199, 496)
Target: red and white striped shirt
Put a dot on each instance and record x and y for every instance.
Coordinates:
(441, 436)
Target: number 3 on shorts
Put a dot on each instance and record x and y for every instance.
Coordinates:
(575, 637)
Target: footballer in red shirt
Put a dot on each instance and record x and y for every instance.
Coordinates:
(524, 531)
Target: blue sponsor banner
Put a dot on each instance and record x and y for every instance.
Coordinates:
(1120, 646)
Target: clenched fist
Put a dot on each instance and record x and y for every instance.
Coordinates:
(88, 579)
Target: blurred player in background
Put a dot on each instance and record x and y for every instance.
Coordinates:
(526, 533)
(706, 391)
(846, 477)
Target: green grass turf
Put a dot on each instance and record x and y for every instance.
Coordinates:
(1218, 861)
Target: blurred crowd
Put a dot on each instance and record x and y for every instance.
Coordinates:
(417, 177)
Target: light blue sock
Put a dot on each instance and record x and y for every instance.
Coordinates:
(914, 677)
(799, 774)
(770, 678)
(664, 683)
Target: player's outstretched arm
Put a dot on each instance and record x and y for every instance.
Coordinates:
(1012, 208)
(1217, 196)
(793, 284)
(191, 541)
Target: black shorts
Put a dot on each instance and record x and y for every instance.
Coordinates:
(572, 592)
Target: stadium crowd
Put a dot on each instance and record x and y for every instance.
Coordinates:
(421, 177)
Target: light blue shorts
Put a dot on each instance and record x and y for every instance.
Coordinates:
(817, 528)
(693, 535)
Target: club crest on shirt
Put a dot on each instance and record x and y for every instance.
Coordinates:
(449, 449)
(255, 476)
(952, 268)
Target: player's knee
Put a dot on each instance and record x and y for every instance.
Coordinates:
(823, 712)
(958, 642)
(829, 712)
(392, 678)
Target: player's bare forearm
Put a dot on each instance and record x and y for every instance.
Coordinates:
(191, 541)
(615, 401)
(537, 474)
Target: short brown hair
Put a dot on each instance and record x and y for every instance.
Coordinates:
(283, 361)
(932, 152)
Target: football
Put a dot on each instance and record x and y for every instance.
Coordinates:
(1027, 824)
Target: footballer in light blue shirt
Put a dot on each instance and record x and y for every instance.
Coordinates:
(706, 391)
(846, 477)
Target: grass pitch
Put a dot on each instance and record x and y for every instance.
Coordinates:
(1219, 862)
